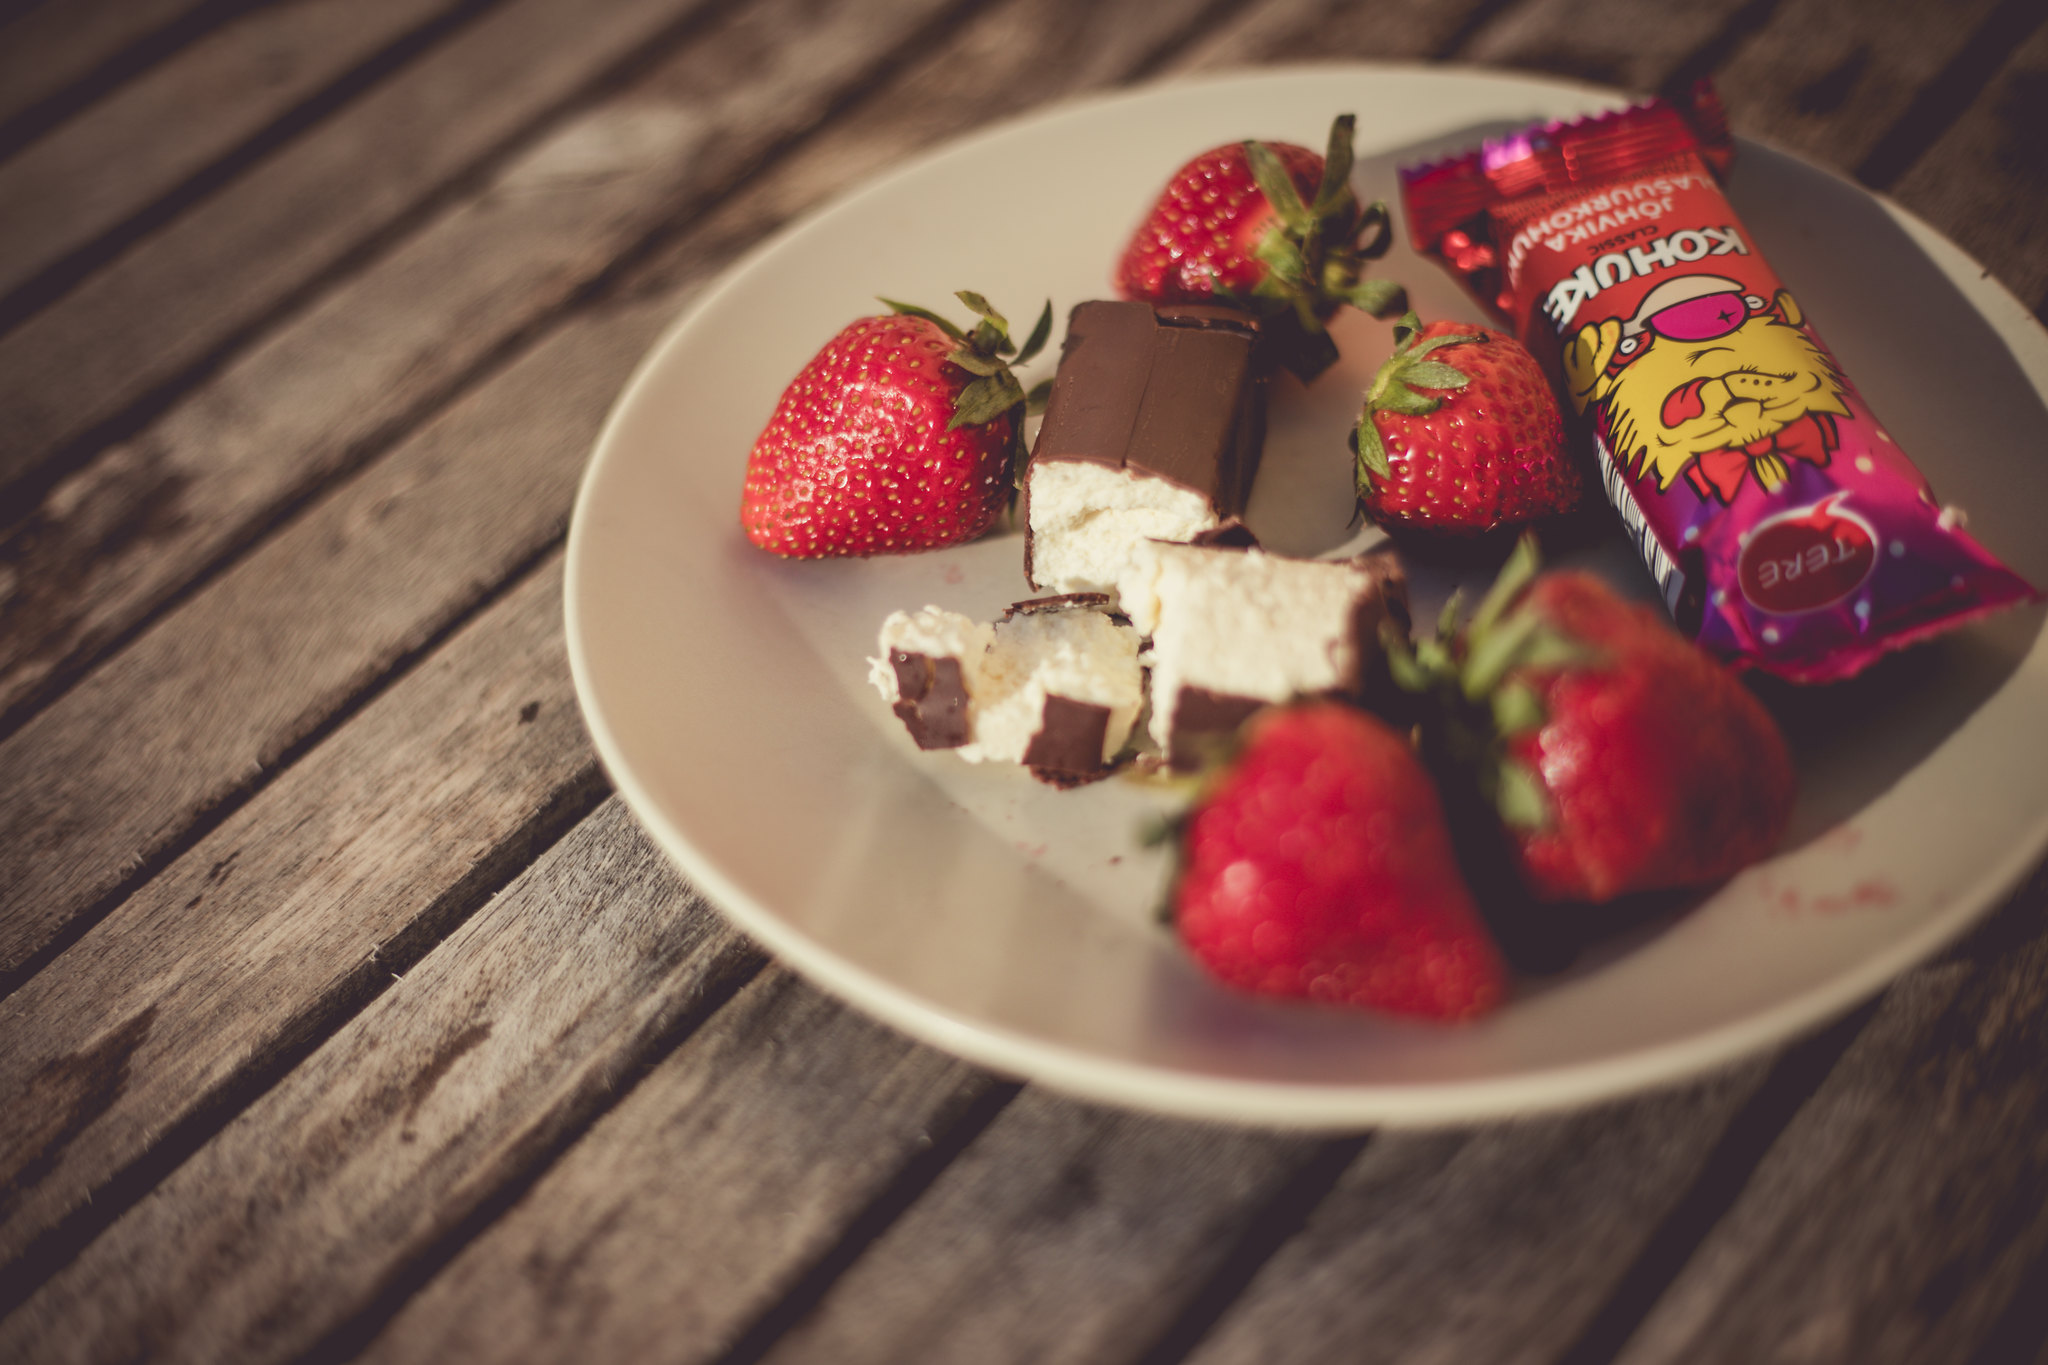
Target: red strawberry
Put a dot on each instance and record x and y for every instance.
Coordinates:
(1621, 757)
(900, 435)
(1269, 226)
(1461, 434)
(1318, 865)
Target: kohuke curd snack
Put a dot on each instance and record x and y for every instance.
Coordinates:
(1784, 527)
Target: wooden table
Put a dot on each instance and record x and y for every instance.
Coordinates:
(346, 1013)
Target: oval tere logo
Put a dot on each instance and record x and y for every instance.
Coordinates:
(1807, 558)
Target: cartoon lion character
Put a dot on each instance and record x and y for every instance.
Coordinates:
(1709, 382)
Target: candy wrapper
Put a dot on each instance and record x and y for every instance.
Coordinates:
(1785, 529)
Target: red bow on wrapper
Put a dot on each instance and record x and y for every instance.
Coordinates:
(1719, 473)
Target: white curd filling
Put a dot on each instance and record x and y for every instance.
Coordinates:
(1086, 519)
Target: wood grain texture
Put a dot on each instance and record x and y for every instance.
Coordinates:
(1004, 58)
(1496, 1243)
(1331, 30)
(1827, 78)
(54, 47)
(688, 1210)
(136, 524)
(459, 1080)
(272, 926)
(1903, 1209)
(218, 693)
(145, 138)
(750, 1164)
(1985, 183)
(1621, 43)
(362, 579)
(1065, 1233)
(178, 298)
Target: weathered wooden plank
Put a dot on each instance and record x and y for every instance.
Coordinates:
(216, 694)
(151, 134)
(285, 919)
(1982, 183)
(136, 524)
(1331, 30)
(135, 753)
(685, 1213)
(1607, 42)
(1065, 1233)
(1903, 1208)
(53, 47)
(496, 1050)
(176, 299)
(1828, 78)
(1497, 1243)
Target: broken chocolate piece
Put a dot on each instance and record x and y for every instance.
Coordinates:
(1092, 601)
(931, 699)
(1153, 431)
(1055, 684)
(1202, 719)
(1069, 742)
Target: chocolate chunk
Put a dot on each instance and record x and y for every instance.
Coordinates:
(1069, 739)
(932, 699)
(1202, 720)
(1066, 601)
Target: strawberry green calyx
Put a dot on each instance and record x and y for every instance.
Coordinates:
(1470, 671)
(1394, 390)
(989, 355)
(982, 353)
(1315, 253)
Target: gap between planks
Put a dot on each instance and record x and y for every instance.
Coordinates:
(97, 192)
(292, 769)
(71, 70)
(399, 386)
(107, 394)
(539, 521)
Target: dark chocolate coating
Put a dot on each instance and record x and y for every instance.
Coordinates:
(1066, 601)
(1200, 714)
(1069, 738)
(1177, 396)
(1231, 534)
(931, 699)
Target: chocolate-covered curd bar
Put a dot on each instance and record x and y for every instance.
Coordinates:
(1152, 432)
(1236, 629)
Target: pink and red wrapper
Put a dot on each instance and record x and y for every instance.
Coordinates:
(1784, 527)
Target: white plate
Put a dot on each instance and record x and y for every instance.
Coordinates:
(1012, 924)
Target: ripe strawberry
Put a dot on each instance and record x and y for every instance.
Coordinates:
(1268, 226)
(1318, 865)
(900, 435)
(1461, 434)
(1621, 757)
